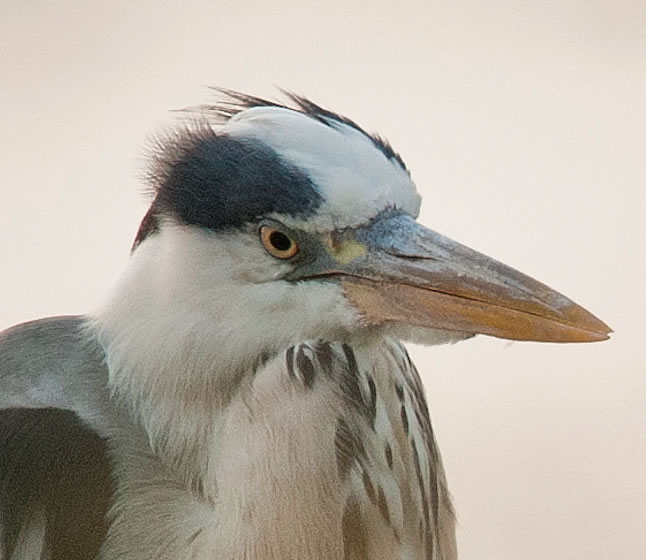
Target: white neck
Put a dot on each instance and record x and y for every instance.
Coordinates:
(186, 327)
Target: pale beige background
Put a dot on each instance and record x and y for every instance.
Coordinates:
(524, 126)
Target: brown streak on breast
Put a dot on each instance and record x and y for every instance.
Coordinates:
(355, 536)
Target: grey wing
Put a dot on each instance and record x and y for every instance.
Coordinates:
(55, 474)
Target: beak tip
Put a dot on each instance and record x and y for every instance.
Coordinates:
(591, 328)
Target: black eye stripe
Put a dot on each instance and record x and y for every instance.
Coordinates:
(214, 181)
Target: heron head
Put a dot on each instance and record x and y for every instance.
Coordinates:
(284, 223)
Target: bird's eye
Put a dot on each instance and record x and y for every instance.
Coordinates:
(277, 243)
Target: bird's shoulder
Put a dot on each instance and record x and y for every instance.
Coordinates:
(55, 475)
(49, 347)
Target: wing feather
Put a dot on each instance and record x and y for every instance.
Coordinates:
(55, 475)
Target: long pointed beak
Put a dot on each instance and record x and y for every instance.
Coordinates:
(409, 274)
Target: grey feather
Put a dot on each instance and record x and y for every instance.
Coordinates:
(55, 473)
(53, 362)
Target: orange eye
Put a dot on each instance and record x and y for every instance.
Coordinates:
(277, 243)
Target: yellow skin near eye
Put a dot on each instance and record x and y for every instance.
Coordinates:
(270, 237)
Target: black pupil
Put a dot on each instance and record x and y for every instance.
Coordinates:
(280, 241)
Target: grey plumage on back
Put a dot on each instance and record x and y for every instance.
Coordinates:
(55, 475)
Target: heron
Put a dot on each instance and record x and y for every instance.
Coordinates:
(243, 391)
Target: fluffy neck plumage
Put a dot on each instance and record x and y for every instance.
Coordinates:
(187, 325)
